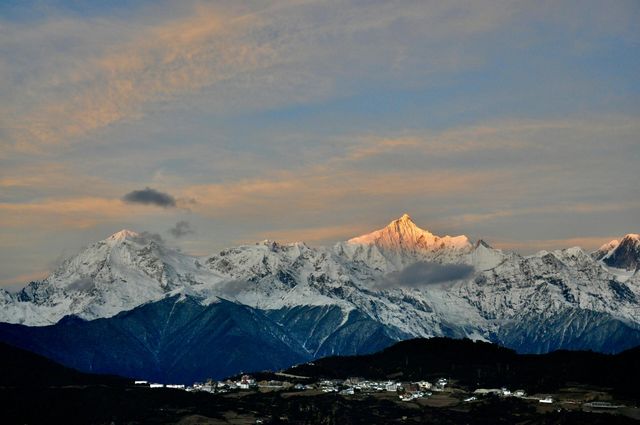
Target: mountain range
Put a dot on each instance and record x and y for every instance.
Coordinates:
(131, 305)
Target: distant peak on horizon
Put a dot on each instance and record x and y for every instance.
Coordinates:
(403, 233)
(404, 217)
(405, 224)
(123, 234)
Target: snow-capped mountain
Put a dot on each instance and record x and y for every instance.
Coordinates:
(623, 254)
(394, 283)
(117, 274)
(402, 243)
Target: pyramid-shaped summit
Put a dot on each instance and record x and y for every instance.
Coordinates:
(403, 234)
(123, 234)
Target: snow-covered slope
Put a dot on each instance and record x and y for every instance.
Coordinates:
(117, 274)
(462, 288)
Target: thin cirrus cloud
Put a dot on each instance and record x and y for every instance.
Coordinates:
(69, 213)
(322, 187)
(318, 190)
(276, 54)
(313, 235)
(588, 243)
(106, 88)
(547, 138)
(559, 208)
(313, 120)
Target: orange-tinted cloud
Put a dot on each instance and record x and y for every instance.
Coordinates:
(314, 235)
(574, 208)
(160, 62)
(587, 243)
(72, 213)
(501, 136)
(277, 52)
(322, 189)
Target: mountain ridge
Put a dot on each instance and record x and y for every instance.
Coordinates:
(395, 283)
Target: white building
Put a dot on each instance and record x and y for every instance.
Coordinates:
(425, 385)
(391, 386)
(486, 391)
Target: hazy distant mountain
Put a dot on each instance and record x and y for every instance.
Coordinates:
(300, 302)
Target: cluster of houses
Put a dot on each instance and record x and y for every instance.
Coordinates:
(504, 392)
(246, 382)
(406, 391)
(155, 385)
(501, 392)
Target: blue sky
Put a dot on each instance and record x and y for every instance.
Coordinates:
(515, 122)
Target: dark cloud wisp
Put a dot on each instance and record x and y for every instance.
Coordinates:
(147, 237)
(233, 288)
(182, 228)
(149, 196)
(424, 273)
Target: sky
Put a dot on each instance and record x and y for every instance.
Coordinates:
(220, 123)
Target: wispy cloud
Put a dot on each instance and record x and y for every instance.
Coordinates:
(370, 172)
(529, 246)
(281, 52)
(314, 120)
(70, 213)
(547, 137)
(20, 280)
(323, 189)
(313, 235)
(563, 208)
(158, 62)
(424, 273)
(181, 229)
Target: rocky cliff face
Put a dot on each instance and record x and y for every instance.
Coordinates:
(623, 254)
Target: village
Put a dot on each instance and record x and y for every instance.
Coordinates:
(441, 392)
(405, 391)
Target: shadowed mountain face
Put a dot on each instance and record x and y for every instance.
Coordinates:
(626, 255)
(169, 341)
(481, 364)
(21, 368)
(178, 340)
